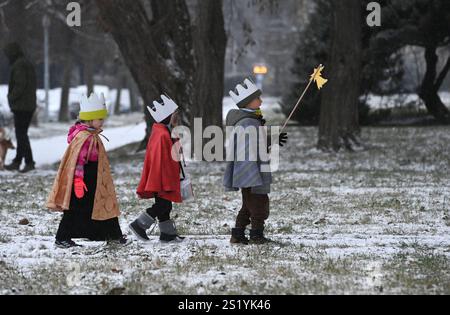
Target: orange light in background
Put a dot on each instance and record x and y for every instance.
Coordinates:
(260, 69)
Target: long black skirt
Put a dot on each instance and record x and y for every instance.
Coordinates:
(77, 221)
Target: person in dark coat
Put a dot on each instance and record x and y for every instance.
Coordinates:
(22, 101)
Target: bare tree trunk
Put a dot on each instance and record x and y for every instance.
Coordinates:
(165, 55)
(429, 91)
(339, 123)
(121, 81)
(158, 52)
(134, 97)
(89, 75)
(68, 63)
(64, 107)
(210, 46)
(118, 98)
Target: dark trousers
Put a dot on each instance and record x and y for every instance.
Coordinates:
(255, 210)
(77, 222)
(161, 210)
(22, 121)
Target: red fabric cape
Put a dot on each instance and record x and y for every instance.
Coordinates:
(161, 173)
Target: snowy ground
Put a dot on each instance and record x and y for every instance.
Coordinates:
(375, 222)
(411, 101)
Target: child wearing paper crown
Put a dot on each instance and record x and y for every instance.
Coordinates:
(84, 189)
(161, 175)
(248, 175)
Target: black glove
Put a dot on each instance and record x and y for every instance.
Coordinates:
(283, 139)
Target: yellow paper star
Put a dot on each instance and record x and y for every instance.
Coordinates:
(317, 77)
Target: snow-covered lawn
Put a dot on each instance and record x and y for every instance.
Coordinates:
(412, 101)
(376, 221)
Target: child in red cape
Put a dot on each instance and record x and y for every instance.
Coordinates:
(160, 175)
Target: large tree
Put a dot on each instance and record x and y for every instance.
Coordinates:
(157, 49)
(74, 47)
(68, 64)
(382, 71)
(166, 54)
(339, 125)
(424, 24)
(210, 45)
(313, 49)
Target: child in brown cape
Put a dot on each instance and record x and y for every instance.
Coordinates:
(84, 189)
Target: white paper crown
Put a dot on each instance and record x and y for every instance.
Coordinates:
(245, 92)
(93, 107)
(160, 111)
(93, 103)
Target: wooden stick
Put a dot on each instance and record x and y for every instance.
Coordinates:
(301, 98)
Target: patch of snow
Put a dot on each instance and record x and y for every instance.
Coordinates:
(48, 151)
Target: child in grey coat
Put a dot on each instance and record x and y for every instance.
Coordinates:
(249, 173)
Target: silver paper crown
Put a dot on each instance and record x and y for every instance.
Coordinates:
(245, 92)
(93, 103)
(161, 110)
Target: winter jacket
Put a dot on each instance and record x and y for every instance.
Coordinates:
(22, 83)
(249, 173)
(88, 153)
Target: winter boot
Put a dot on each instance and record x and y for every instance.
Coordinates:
(14, 166)
(28, 168)
(169, 232)
(238, 236)
(257, 237)
(141, 225)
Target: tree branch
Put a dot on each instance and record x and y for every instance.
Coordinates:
(443, 74)
(4, 3)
